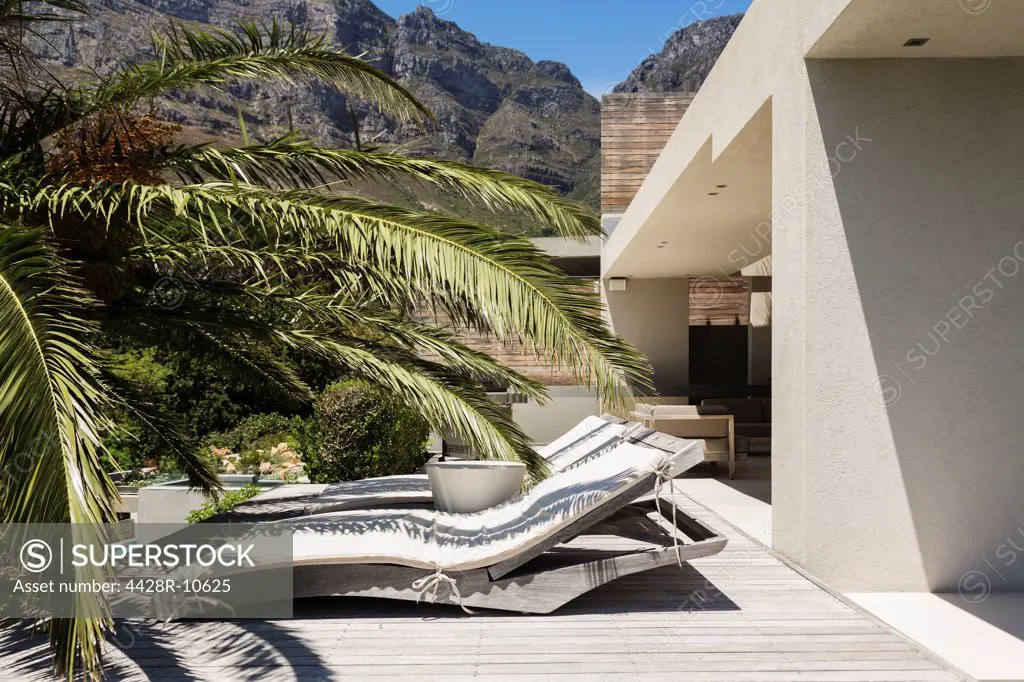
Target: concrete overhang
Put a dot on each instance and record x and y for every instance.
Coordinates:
(880, 29)
(725, 138)
(716, 206)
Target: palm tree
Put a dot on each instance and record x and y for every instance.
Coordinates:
(247, 257)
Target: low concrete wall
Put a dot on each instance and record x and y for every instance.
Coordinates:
(568, 406)
(173, 502)
(167, 504)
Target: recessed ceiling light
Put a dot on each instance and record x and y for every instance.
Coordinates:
(916, 42)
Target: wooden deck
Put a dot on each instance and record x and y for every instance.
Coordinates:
(741, 615)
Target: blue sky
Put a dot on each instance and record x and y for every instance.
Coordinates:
(600, 40)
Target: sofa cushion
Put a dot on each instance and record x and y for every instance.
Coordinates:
(754, 430)
(745, 410)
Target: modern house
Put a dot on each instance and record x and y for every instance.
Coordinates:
(872, 150)
(716, 343)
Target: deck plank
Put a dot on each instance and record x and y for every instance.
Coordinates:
(740, 615)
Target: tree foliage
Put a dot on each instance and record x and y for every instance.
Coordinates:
(249, 260)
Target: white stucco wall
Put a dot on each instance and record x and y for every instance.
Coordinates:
(653, 314)
(914, 246)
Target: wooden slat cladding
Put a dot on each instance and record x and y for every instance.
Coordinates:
(519, 358)
(719, 300)
(634, 130)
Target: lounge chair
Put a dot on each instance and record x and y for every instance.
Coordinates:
(509, 557)
(589, 437)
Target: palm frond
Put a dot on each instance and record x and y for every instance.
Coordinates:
(169, 431)
(277, 265)
(50, 394)
(28, 118)
(188, 58)
(430, 343)
(508, 280)
(77, 643)
(366, 324)
(50, 405)
(290, 162)
(227, 338)
(357, 340)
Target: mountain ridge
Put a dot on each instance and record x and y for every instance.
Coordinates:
(494, 105)
(686, 59)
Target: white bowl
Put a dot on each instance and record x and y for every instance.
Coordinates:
(467, 486)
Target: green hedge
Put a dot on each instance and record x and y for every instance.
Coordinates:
(359, 431)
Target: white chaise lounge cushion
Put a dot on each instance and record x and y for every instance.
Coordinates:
(431, 540)
(582, 440)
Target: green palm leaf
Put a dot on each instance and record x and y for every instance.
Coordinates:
(294, 163)
(356, 322)
(508, 280)
(50, 393)
(447, 395)
(50, 402)
(217, 334)
(187, 58)
(275, 265)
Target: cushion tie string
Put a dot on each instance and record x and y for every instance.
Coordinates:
(663, 473)
(433, 584)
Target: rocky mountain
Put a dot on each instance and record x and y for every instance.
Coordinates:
(686, 60)
(494, 105)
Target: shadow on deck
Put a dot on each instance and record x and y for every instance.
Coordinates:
(250, 648)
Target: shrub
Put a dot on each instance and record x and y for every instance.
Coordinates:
(359, 431)
(225, 502)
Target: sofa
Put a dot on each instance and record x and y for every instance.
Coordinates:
(753, 421)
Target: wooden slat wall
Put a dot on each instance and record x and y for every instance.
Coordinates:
(720, 300)
(520, 359)
(634, 130)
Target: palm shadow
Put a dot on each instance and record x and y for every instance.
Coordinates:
(189, 651)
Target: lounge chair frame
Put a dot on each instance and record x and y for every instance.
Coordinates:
(546, 576)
